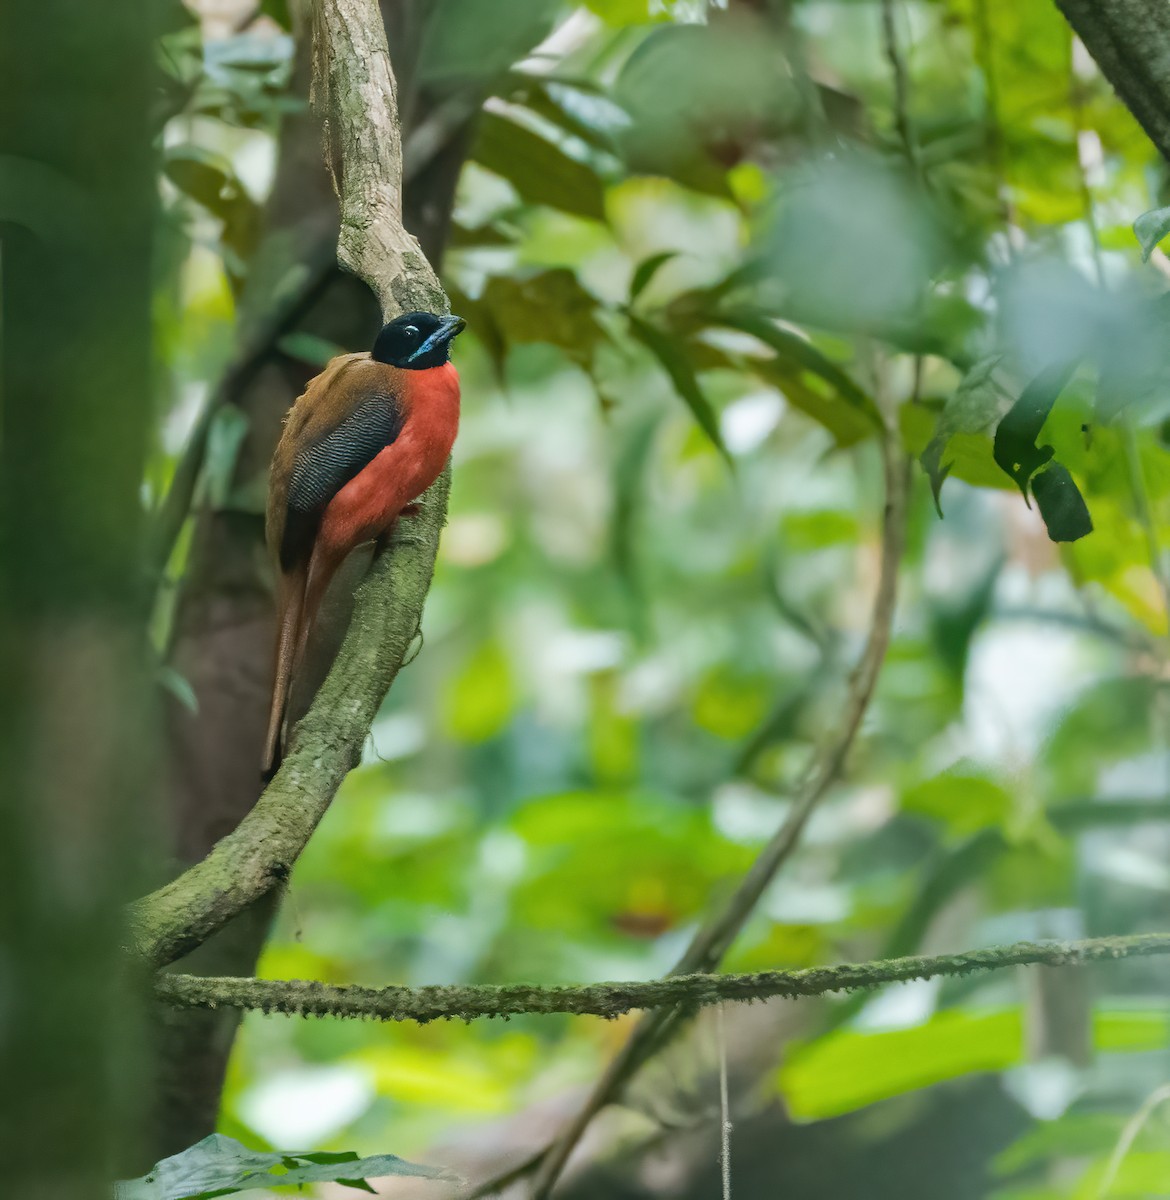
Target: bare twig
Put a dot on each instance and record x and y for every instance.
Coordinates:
(901, 77)
(724, 1105)
(996, 154)
(1129, 1135)
(456, 1002)
(355, 94)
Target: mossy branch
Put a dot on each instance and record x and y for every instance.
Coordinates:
(310, 999)
(259, 854)
(354, 93)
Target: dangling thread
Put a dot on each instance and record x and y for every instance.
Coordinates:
(724, 1106)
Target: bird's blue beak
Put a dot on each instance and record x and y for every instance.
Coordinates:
(448, 328)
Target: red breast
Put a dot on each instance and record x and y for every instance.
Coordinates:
(368, 505)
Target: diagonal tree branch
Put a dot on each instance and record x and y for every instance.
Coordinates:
(260, 853)
(354, 92)
(1129, 40)
(466, 1003)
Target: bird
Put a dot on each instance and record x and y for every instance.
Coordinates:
(365, 439)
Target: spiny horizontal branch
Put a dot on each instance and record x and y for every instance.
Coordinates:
(310, 999)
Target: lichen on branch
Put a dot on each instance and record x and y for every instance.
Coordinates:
(311, 999)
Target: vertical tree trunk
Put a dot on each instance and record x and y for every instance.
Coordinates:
(226, 621)
(76, 213)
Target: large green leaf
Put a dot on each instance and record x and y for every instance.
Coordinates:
(209, 179)
(847, 424)
(469, 43)
(1066, 516)
(1016, 450)
(703, 98)
(671, 353)
(850, 1069)
(1019, 456)
(541, 172)
(1140, 1175)
(575, 106)
(799, 351)
(547, 306)
(221, 1166)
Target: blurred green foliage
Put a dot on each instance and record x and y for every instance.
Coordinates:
(698, 262)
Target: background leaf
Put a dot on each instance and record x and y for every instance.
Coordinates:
(1015, 446)
(1061, 504)
(221, 1166)
(541, 172)
(1150, 228)
(673, 359)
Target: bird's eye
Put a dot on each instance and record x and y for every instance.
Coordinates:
(411, 329)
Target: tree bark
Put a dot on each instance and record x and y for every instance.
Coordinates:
(1130, 41)
(77, 211)
(225, 623)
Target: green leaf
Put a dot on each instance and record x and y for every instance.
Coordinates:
(703, 98)
(468, 44)
(576, 106)
(801, 352)
(221, 1166)
(179, 687)
(548, 306)
(850, 1069)
(278, 11)
(490, 234)
(224, 439)
(973, 408)
(647, 269)
(309, 348)
(541, 172)
(481, 699)
(1015, 447)
(847, 424)
(1073, 1135)
(1061, 504)
(621, 13)
(204, 175)
(965, 803)
(1140, 1176)
(670, 353)
(1150, 228)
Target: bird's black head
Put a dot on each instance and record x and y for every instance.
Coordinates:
(417, 340)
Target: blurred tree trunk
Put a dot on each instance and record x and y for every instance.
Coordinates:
(1128, 40)
(77, 187)
(225, 623)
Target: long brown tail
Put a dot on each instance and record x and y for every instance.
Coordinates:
(288, 641)
(302, 592)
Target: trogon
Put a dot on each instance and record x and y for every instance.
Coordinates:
(369, 435)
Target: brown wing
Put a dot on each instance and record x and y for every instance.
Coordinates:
(346, 417)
